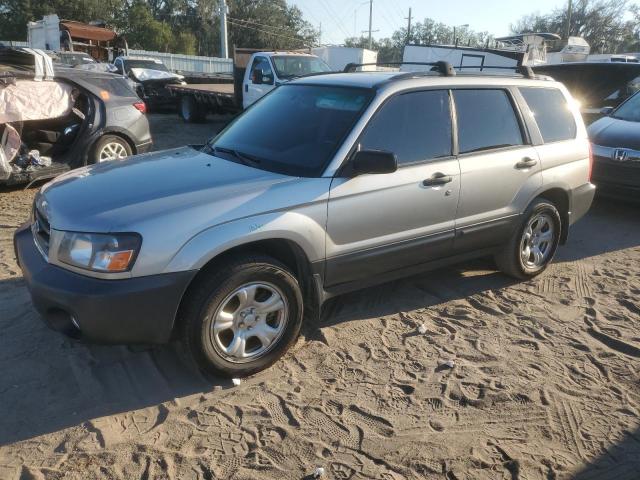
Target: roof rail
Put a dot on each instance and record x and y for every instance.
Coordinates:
(524, 70)
(444, 68)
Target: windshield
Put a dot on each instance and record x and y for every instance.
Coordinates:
(629, 110)
(288, 66)
(150, 64)
(295, 130)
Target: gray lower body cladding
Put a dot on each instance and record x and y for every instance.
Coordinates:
(135, 310)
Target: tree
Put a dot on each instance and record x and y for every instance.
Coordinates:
(599, 22)
(427, 32)
(179, 26)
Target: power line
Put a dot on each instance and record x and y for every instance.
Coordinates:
(240, 25)
(253, 22)
(332, 13)
(387, 20)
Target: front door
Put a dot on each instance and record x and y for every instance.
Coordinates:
(385, 222)
(259, 82)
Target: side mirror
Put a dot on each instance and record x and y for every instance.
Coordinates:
(606, 111)
(267, 79)
(373, 161)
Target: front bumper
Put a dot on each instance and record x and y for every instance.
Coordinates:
(134, 310)
(617, 179)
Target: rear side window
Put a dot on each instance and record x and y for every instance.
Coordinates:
(552, 114)
(115, 86)
(486, 120)
(415, 126)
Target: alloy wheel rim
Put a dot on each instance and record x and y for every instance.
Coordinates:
(112, 151)
(537, 241)
(249, 322)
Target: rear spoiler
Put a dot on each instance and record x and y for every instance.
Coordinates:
(29, 59)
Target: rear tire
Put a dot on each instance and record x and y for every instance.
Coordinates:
(110, 147)
(242, 316)
(533, 244)
(191, 111)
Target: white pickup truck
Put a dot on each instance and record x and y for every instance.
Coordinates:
(255, 73)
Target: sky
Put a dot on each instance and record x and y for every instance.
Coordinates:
(347, 18)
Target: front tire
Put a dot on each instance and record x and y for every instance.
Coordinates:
(241, 317)
(532, 246)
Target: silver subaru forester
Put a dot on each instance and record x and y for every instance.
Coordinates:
(328, 184)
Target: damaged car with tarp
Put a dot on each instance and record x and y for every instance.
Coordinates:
(54, 119)
(151, 78)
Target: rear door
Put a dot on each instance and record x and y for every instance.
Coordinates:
(385, 222)
(500, 169)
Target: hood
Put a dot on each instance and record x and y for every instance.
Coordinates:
(616, 133)
(147, 74)
(183, 185)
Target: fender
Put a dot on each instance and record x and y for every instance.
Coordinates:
(305, 229)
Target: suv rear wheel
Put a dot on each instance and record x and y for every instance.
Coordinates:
(111, 147)
(534, 243)
(242, 317)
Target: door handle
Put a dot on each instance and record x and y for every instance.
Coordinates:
(437, 179)
(526, 162)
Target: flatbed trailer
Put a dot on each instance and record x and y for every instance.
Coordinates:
(196, 100)
(254, 75)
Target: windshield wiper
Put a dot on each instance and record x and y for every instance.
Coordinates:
(244, 158)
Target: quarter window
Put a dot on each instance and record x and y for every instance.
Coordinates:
(486, 120)
(416, 126)
(551, 112)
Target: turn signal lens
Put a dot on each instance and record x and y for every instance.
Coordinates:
(104, 95)
(113, 261)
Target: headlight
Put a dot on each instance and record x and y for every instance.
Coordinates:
(100, 252)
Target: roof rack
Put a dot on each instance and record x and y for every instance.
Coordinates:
(524, 70)
(444, 68)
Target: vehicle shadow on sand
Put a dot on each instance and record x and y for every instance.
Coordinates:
(48, 382)
(621, 460)
(609, 226)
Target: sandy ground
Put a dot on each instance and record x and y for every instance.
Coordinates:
(546, 383)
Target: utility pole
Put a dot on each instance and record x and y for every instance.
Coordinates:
(224, 50)
(370, 17)
(568, 26)
(320, 35)
(408, 26)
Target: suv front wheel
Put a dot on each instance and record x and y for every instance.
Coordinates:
(534, 243)
(242, 316)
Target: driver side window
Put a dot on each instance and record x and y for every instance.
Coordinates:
(261, 72)
(416, 126)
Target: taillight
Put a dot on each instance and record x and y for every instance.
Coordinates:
(590, 161)
(141, 107)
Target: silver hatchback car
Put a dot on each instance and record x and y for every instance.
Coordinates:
(326, 185)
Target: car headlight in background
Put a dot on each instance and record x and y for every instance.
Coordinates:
(99, 252)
